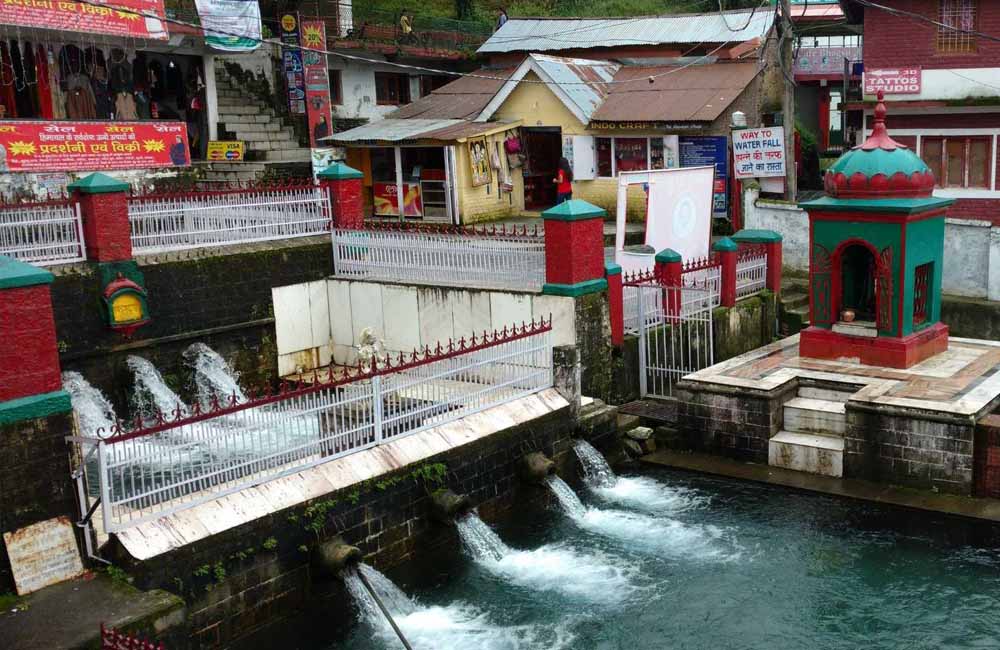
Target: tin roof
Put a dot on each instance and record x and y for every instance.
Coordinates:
(463, 98)
(542, 34)
(411, 130)
(696, 93)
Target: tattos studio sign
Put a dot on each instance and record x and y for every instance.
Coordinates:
(893, 81)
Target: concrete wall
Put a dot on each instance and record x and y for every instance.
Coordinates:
(358, 86)
(786, 219)
(406, 317)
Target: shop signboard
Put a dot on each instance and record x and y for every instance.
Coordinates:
(291, 57)
(696, 151)
(227, 150)
(128, 18)
(893, 81)
(759, 153)
(230, 25)
(30, 146)
(386, 204)
(317, 81)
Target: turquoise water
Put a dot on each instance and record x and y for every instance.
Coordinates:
(664, 559)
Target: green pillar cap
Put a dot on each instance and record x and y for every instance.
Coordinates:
(725, 245)
(610, 268)
(757, 237)
(574, 210)
(667, 255)
(338, 171)
(15, 274)
(98, 183)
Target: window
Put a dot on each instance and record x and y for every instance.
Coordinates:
(921, 283)
(958, 18)
(631, 154)
(392, 88)
(616, 155)
(957, 161)
(604, 167)
(429, 83)
(336, 88)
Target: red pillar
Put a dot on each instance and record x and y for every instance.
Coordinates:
(772, 245)
(104, 210)
(824, 118)
(668, 270)
(613, 274)
(343, 184)
(574, 249)
(726, 248)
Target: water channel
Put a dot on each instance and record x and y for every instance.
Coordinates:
(665, 559)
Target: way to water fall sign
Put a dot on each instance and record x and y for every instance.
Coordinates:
(43, 554)
(759, 153)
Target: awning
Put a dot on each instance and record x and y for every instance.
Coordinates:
(416, 131)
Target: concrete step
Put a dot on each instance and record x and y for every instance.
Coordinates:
(808, 415)
(794, 300)
(826, 394)
(243, 109)
(233, 122)
(301, 154)
(802, 452)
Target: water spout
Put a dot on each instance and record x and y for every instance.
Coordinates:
(597, 473)
(479, 540)
(151, 393)
(567, 498)
(536, 467)
(213, 377)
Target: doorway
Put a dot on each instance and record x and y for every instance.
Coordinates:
(857, 282)
(542, 149)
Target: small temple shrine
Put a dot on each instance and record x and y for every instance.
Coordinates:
(876, 248)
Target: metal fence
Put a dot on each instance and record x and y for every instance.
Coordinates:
(751, 273)
(165, 466)
(42, 233)
(498, 258)
(192, 220)
(703, 285)
(672, 344)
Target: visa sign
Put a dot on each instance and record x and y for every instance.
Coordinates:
(893, 81)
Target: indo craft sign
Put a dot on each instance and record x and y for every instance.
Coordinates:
(698, 151)
(89, 146)
(119, 18)
(386, 204)
(893, 81)
(759, 153)
(230, 150)
(313, 36)
(291, 57)
(600, 125)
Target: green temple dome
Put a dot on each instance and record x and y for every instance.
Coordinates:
(881, 168)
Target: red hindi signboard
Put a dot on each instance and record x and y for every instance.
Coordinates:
(893, 81)
(312, 35)
(119, 18)
(27, 146)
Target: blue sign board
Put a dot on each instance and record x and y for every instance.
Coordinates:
(291, 57)
(698, 151)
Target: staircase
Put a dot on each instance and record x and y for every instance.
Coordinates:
(269, 141)
(813, 436)
(794, 306)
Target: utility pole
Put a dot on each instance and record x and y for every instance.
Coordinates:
(788, 101)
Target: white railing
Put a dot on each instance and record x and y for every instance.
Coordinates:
(43, 233)
(701, 289)
(197, 219)
(500, 260)
(751, 274)
(169, 466)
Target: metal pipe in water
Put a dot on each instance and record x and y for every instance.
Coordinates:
(385, 612)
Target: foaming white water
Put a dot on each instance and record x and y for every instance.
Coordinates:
(151, 393)
(93, 409)
(457, 625)
(644, 493)
(597, 472)
(661, 535)
(213, 377)
(553, 567)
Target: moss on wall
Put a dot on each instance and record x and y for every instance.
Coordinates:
(747, 326)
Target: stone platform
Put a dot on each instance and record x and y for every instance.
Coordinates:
(842, 418)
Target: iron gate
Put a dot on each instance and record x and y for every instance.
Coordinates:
(675, 334)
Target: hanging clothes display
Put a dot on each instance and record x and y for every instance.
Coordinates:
(45, 108)
(7, 98)
(31, 79)
(58, 96)
(80, 104)
(125, 108)
(22, 92)
(103, 103)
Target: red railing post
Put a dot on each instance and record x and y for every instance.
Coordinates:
(616, 299)
(104, 213)
(726, 249)
(772, 246)
(667, 270)
(343, 185)
(574, 249)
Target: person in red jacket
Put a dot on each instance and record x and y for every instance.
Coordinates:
(564, 182)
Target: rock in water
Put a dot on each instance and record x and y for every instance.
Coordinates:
(640, 433)
(632, 448)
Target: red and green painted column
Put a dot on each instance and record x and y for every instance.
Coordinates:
(343, 184)
(726, 249)
(30, 382)
(772, 246)
(616, 302)
(574, 249)
(667, 269)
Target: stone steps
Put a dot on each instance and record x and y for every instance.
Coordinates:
(828, 394)
(810, 415)
(804, 452)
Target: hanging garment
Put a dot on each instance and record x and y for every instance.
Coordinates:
(142, 107)
(31, 79)
(58, 96)
(44, 90)
(125, 108)
(22, 92)
(120, 74)
(7, 82)
(80, 104)
(103, 103)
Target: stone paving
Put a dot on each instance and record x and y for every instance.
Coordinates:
(962, 381)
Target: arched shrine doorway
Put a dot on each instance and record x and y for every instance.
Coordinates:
(858, 276)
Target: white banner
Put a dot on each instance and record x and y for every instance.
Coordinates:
(230, 25)
(759, 153)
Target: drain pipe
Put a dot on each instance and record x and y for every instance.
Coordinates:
(446, 506)
(385, 612)
(536, 467)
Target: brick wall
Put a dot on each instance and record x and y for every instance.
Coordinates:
(222, 298)
(890, 448)
(901, 41)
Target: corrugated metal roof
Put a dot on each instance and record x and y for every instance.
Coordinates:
(543, 34)
(397, 131)
(699, 93)
(569, 73)
(464, 98)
